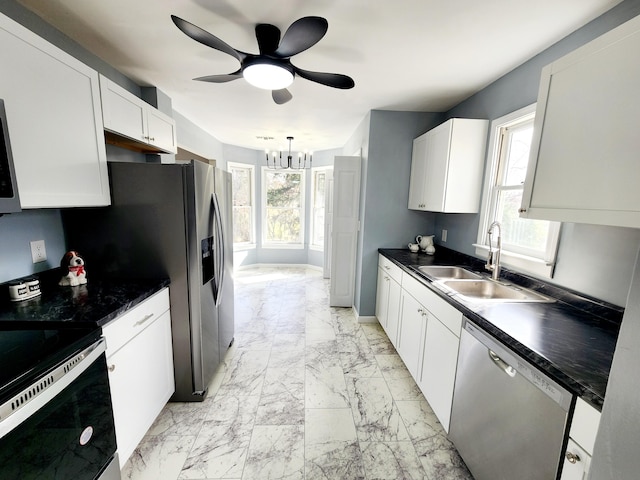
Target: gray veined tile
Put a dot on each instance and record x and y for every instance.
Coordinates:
(374, 412)
(325, 387)
(323, 354)
(437, 454)
(403, 389)
(289, 341)
(179, 419)
(252, 340)
(378, 340)
(287, 359)
(282, 399)
(331, 446)
(221, 447)
(392, 366)
(275, 452)
(356, 356)
(158, 456)
(391, 461)
(245, 375)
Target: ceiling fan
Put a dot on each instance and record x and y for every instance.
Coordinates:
(271, 69)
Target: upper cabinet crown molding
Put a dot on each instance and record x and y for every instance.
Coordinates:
(584, 157)
(147, 129)
(446, 167)
(54, 120)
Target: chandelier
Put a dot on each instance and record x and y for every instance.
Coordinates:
(288, 162)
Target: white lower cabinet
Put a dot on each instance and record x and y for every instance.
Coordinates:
(439, 365)
(140, 363)
(388, 296)
(428, 342)
(412, 324)
(582, 437)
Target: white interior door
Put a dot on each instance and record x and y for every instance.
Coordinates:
(344, 230)
(328, 219)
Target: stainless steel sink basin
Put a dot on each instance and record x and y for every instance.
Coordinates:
(442, 272)
(490, 291)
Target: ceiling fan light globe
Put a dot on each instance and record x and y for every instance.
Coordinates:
(267, 76)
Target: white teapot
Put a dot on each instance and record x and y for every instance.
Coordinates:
(426, 243)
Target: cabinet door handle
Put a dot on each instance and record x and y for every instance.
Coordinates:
(112, 367)
(572, 457)
(522, 210)
(143, 319)
(152, 139)
(387, 267)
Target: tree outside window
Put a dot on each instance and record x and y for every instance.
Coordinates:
(283, 215)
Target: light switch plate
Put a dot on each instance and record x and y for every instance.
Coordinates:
(38, 251)
(444, 235)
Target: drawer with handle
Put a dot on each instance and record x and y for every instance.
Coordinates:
(125, 327)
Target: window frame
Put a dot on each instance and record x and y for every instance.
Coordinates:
(271, 245)
(252, 178)
(542, 266)
(314, 171)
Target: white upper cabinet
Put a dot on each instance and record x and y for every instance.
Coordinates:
(584, 165)
(55, 122)
(446, 167)
(133, 118)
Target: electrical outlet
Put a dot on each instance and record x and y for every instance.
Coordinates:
(444, 235)
(38, 252)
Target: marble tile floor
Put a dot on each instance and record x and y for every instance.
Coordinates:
(306, 392)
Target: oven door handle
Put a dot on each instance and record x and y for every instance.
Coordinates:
(19, 408)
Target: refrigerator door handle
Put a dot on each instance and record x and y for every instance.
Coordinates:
(219, 247)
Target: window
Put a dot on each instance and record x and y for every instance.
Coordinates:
(242, 178)
(283, 212)
(527, 244)
(320, 178)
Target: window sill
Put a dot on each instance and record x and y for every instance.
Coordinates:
(244, 246)
(523, 263)
(316, 248)
(283, 246)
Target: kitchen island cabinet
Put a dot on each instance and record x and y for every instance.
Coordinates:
(584, 156)
(446, 167)
(129, 116)
(140, 363)
(54, 120)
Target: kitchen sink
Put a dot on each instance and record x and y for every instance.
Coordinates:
(490, 291)
(442, 272)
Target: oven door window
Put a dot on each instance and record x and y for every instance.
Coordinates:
(71, 437)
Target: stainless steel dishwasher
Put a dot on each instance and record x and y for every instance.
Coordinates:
(508, 419)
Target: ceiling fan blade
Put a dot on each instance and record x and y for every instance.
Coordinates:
(335, 80)
(302, 34)
(268, 37)
(281, 96)
(206, 38)
(224, 78)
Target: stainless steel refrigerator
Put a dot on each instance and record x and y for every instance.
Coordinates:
(169, 220)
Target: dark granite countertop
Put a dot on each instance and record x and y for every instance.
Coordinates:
(96, 303)
(572, 339)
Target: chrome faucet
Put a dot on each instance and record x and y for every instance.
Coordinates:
(493, 259)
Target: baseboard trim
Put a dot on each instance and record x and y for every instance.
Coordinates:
(363, 319)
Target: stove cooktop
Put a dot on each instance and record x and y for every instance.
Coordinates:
(26, 355)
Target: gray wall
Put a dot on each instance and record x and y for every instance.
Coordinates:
(386, 166)
(17, 230)
(594, 260)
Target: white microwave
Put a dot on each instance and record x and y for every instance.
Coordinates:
(9, 198)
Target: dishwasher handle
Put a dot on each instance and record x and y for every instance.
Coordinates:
(504, 366)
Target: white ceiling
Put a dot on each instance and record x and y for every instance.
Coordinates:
(413, 55)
